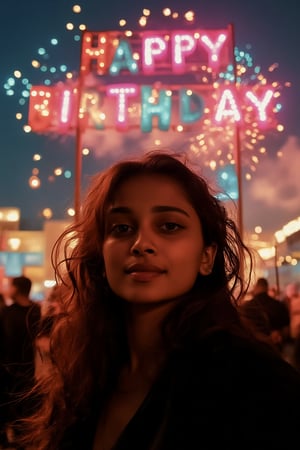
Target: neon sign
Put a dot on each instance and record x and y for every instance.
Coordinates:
(154, 52)
(148, 80)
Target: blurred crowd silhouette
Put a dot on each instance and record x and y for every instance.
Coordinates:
(25, 327)
(276, 316)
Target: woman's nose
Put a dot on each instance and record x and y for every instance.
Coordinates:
(142, 244)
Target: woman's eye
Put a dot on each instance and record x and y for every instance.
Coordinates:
(120, 228)
(171, 226)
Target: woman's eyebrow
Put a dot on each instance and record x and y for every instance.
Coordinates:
(155, 209)
(119, 210)
(166, 208)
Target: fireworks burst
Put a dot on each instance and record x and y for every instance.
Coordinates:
(216, 144)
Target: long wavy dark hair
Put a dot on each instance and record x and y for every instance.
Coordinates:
(88, 343)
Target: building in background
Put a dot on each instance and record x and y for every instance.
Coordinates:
(27, 252)
(280, 260)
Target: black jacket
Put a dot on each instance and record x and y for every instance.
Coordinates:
(222, 392)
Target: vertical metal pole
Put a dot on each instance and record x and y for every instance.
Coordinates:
(78, 170)
(276, 269)
(237, 147)
(78, 154)
(238, 164)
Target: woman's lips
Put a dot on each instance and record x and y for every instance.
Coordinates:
(144, 276)
(144, 272)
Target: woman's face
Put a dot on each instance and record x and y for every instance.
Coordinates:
(153, 249)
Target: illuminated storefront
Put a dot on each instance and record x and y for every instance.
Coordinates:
(27, 252)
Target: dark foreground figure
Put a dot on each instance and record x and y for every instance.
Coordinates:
(18, 327)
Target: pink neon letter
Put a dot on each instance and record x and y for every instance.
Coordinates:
(182, 44)
(65, 107)
(261, 105)
(152, 46)
(122, 92)
(227, 96)
(214, 48)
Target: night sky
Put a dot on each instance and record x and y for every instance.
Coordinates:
(269, 31)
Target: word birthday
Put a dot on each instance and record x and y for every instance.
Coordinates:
(145, 80)
(130, 106)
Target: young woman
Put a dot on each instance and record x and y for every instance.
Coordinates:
(150, 352)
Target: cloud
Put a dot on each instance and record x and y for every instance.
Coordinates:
(118, 145)
(273, 194)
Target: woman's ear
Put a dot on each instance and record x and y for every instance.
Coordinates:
(208, 259)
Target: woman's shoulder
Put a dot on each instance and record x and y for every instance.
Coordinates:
(238, 393)
(238, 360)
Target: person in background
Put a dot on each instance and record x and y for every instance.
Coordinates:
(18, 327)
(151, 352)
(53, 302)
(268, 314)
(274, 292)
(290, 290)
(2, 303)
(292, 300)
(43, 363)
(3, 435)
(52, 308)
